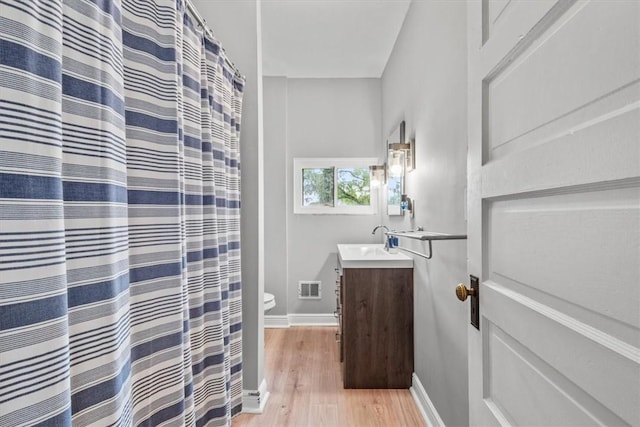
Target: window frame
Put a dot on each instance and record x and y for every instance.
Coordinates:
(300, 163)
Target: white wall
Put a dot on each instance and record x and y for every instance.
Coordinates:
(327, 118)
(324, 118)
(424, 83)
(237, 25)
(275, 191)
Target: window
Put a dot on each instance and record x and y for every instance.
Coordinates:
(317, 187)
(333, 186)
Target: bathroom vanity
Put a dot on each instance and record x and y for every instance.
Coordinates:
(375, 312)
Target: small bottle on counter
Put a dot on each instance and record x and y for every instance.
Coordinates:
(392, 242)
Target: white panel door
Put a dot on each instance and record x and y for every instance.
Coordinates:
(554, 212)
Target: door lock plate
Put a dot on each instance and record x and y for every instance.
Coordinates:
(474, 283)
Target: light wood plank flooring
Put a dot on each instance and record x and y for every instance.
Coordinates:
(302, 369)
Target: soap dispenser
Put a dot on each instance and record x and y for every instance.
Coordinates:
(407, 205)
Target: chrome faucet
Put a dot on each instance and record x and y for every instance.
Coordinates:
(386, 240)
(379, 226)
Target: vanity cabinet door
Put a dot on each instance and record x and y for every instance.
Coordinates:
(338, 312)
(341, 323)
(377, 326)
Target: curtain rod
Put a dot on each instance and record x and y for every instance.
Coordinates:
(203, 24)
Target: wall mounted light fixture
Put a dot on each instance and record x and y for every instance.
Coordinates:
(378, 174)
(402, 157)
(408, 151)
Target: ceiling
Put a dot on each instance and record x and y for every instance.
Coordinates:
(329, 38)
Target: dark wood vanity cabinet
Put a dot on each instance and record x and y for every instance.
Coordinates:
(376, 327)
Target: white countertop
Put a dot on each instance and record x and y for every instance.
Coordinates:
(367, 255)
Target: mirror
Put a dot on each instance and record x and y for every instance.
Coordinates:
(395, 178)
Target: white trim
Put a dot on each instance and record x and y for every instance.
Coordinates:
(313, 320)
(276, 321)
(304, 319)
(328, 162)
(424, 404)
(254, 401)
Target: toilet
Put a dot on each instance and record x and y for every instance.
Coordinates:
(269, 301)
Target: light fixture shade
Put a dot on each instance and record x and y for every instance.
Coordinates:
(378, 175)
(396, 163)
(408, 150)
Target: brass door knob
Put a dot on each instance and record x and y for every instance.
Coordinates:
(462, 292)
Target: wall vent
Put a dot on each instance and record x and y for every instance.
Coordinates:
(309, 289)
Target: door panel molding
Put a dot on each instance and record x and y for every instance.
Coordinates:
(518, 362)
(569, 161)
(621, 101)
(521, 93)
(492, 13)
(596, 248)
(527, 20)
(573, 349)
(607, 341)
(622, 332)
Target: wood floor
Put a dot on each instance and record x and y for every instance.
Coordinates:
(302, 370)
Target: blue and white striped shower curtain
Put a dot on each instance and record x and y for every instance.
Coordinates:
(120, 299)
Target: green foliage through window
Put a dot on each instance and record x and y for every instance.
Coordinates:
(333, 186)
(317, 187)
(353, 187)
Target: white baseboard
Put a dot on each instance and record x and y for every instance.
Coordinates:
(253, 401)
(312, 320)
(425, 405)
(284, 321)
(276, 321)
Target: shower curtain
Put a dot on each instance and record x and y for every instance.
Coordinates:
(120, 287)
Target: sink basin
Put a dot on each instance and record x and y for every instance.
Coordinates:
(367, 255)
